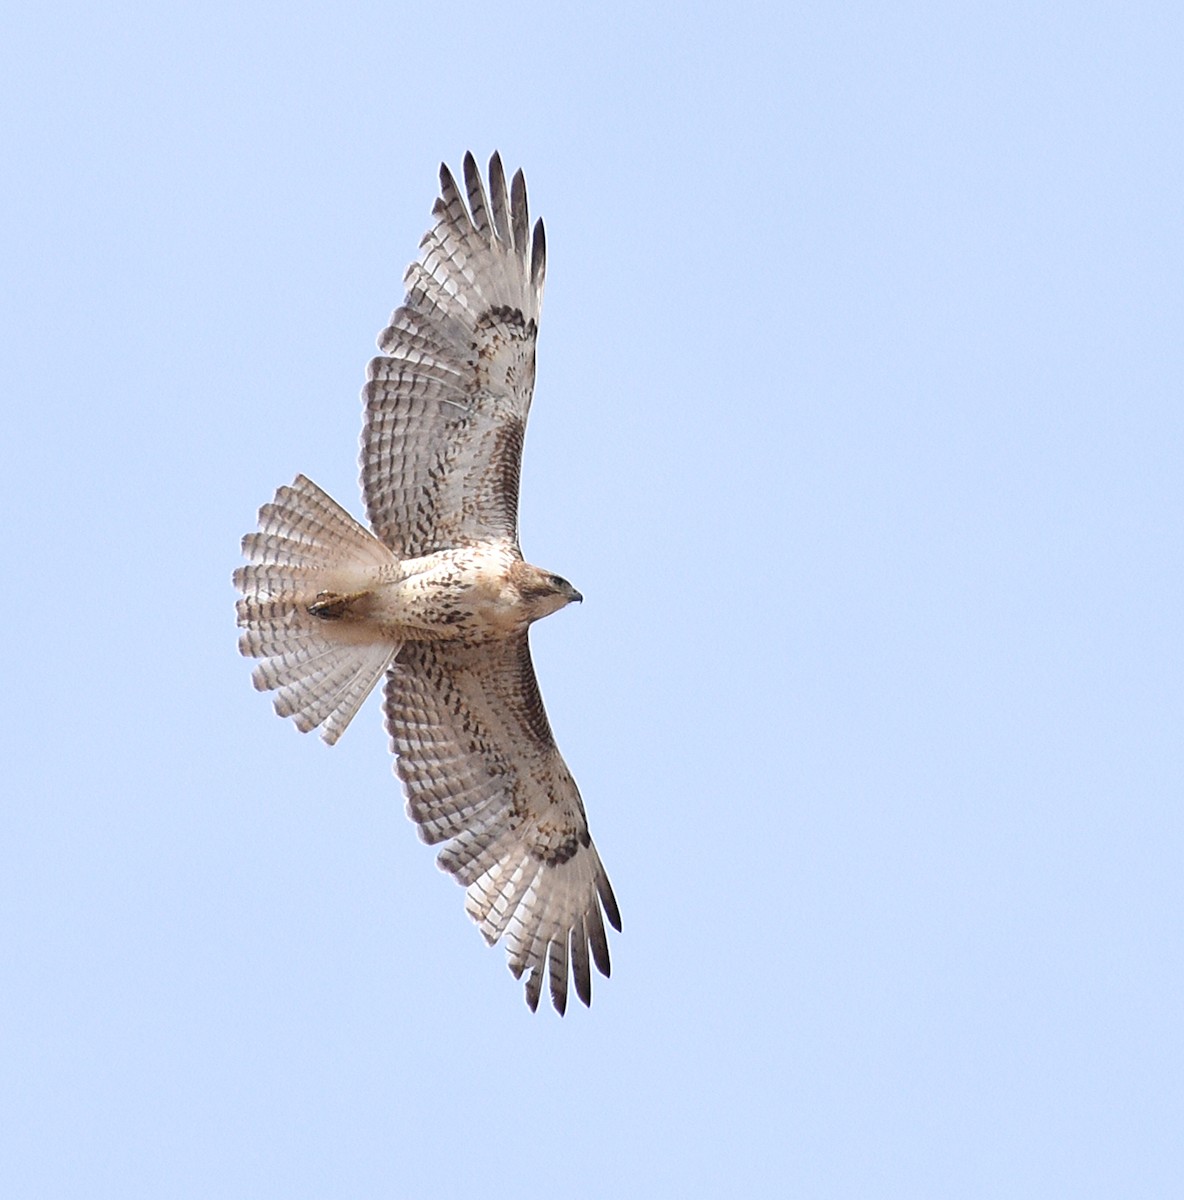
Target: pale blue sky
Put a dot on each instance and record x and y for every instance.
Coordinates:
(859, 426)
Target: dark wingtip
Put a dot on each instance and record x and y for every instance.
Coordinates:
(534, 987)
(538, 253)
(605, 889)
(584, 986)
(519, 212)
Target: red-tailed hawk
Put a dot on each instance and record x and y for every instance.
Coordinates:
(439, 597)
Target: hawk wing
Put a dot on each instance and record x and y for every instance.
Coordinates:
(481, 768)
(446, 406)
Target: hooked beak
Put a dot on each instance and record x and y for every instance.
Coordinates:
(576, 597)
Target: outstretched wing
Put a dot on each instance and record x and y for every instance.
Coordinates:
(481, 768)
(446, 406)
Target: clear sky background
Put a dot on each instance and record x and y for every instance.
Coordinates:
(859, 425)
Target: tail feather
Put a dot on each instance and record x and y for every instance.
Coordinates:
(304, 523)
(306, 546)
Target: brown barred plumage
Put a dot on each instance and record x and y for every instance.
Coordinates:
(439, 597)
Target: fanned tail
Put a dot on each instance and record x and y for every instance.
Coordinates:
(307, 559)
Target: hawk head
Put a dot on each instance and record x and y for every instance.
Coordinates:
(541, 592)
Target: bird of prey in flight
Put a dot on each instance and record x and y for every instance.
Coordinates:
(437, 597)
